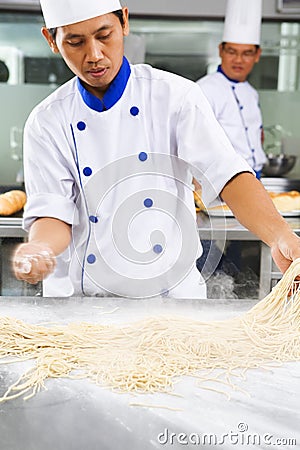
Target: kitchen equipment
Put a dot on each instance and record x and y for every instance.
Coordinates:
(281, 184)
(4, 72)
(13, 59)
(278, 165)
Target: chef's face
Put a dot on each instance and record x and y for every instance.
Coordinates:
(238, 59)
(93, 49)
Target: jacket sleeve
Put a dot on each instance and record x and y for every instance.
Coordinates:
(49, 180)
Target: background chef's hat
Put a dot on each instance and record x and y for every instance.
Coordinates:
(65, 12)
(243, 22)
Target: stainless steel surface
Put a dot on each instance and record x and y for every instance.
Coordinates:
(216, 228)
(214, 8)
(72, 415)
(278, 165)
(11, 227)
(280, 184)
(20, 4)
(210, 228)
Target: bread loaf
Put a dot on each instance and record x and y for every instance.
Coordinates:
(12, 202)
(286, 201)
(198, 201)
(283, 201)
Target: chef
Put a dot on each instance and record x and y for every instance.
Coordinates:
(234, 101)
(109, 159)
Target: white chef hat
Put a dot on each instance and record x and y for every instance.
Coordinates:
(243, 21)
(58, 13)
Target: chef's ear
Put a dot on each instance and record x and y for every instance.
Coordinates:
(126, 21)
(50, 39)
(257, 55)
(221, 48)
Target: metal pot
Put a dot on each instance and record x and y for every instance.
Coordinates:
(278, 165)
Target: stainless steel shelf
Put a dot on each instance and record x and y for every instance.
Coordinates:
(210, 228)
(11, 227)
(229, 229)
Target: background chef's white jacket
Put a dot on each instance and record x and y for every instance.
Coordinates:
(118, 176)
(236, 107)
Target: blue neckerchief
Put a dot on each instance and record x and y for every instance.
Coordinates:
(258, 174)
(223, 73)
(113, 93)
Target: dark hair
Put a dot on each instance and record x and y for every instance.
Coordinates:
(224, 43)
(118, 13)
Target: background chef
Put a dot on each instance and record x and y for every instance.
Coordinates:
(109, 159)
(236, 104)
(234, 101)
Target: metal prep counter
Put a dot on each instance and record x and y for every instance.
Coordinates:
(11, 227)
(72, 414)
(210, 228)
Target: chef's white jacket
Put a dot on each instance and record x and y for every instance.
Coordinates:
(119, 170)
(236, 107)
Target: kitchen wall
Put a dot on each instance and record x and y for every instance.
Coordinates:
(183, 40)
(33, 74)
(199, 8)
(16, 103)
(191, 49)
(282, 108)
(176, 8)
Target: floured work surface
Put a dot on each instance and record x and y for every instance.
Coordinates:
(72, 414)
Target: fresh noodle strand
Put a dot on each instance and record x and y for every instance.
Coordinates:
(153, 354)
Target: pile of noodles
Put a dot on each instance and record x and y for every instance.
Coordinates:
(149, 355)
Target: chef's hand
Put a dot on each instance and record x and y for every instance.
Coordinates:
(33, 261)
(286, 250)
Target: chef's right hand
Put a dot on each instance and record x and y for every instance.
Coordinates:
(33, 261)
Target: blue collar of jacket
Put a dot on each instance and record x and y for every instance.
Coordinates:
(223, 73)
(113, 93)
